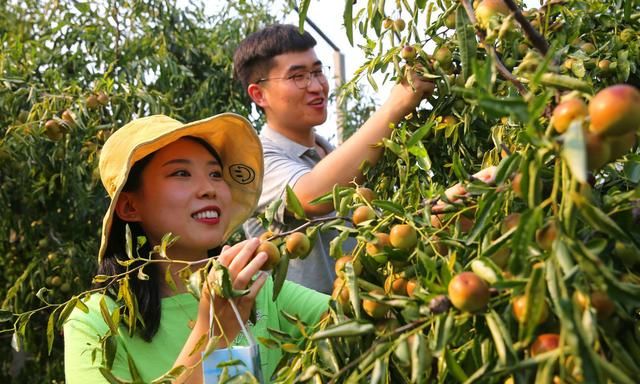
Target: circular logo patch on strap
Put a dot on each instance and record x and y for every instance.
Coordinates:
(242, 174)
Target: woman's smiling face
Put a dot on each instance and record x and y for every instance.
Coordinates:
(183, 192)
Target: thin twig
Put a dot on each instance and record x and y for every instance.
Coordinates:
(536, 39)
(307, 224)
(492, 51)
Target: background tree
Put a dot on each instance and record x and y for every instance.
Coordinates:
(70, 73)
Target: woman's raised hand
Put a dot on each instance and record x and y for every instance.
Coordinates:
(242, 265)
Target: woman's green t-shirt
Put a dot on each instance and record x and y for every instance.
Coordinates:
(83, 333)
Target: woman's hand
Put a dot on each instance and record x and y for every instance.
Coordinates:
(242, 267)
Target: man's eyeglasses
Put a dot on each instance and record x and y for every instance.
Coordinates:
(303, 79)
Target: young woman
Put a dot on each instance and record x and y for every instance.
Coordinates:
(197, 181)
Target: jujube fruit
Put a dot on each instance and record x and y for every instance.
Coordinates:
(450, 20)
(629, 254)
(443, 56)
(411, 287)
(545, 343)
(53, 130)
(340, 292)
(520, 311)
(598, 151)
(488, 9)
(399, 25)
(615, 110)
(273, 255)
(375, 248)
(363, 213)
(366, 193)
(566, 112)
(408, 53)
(395, 284)
(546, 235)
(102, 98)
(340, 263)
(468, 292)
(620, 145)
(92, 102)
(56, 281)
(403, 236)
(297, 245)
(588, 48)
(374, 308)
(511, 221)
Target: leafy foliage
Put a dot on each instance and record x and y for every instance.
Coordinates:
(573, 248)
(70, 73)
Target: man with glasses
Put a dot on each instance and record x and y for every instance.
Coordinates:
(285, 79)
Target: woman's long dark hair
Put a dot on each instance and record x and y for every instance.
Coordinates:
(145, 292)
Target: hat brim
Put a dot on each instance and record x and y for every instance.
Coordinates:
(231, 135)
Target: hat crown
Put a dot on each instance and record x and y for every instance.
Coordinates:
(120, 148)
(231, 135)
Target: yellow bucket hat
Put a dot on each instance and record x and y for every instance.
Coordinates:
(231, 135)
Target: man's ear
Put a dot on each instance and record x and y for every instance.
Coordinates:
(126, 207)
(257, 94)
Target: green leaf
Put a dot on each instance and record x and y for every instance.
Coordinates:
(389, 206)
(501, 339)
(380, 371)
(535, 293)
(106, 316)
(347, 17)
(420, 358)
(444, 326)
(82, 7)
(269, 343)
(168, 278)
(507, 167)
(280, 274)
(529, 221)
(613, 372)
(486, 270)
(293, 205)
(111, 378)
(565, 82)
(421, 133)
(466, 41)
(222, 284)
(303, 8)
(352, 283)
(110, 347)
(11, 293)
(272, 210)
(489, 206)
(574, 152)
(327, 355)
(50, 329)
(454, 367)
(346, 329)
(66, 311)
(598, 219)
(458, 168)
(128, 242)
(498, 107)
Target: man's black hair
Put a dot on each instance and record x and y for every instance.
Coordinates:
(254, 56)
